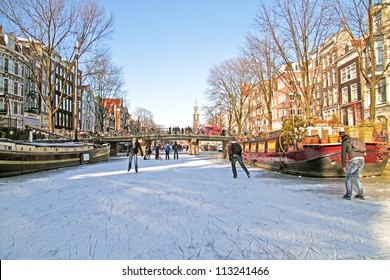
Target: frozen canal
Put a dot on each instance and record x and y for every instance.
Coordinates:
(188, 209)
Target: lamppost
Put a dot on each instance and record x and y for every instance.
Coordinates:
(75, 97)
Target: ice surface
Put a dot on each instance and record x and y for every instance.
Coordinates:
(189, 208)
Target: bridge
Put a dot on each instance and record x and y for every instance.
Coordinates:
(146, 140)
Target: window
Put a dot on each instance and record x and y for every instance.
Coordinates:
(343, 75)
(346, 49)
(352, 71)
(344, 95)
(381, 92)
(16, 69)
(5, 64)
(16, 107)
(368, 100)
(348, 73)
(11, 66)
(379, 53)
(335, 97)
(350, 113)
(8, 84)
(354, 93)
(330, 100)
(16, 87)
(2, 105)
(378, 23)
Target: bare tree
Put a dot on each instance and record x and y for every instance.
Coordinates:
(264, 59)
(363, 20)
(145, 118)
(230, 86)
(296, 28)
(107, 83)
(55, 35)
(214, 115)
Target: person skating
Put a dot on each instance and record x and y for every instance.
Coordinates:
(234, 152)
(167, 150)
(148, 152)
(355, 166)
(175, 151)
(132, 151)
(157, 149)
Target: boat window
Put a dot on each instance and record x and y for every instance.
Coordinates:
(246, 147)
(314, 132)
(272, 146)
(324, 133)
(261, 147)
(253, 147)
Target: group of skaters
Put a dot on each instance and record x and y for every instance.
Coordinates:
(134, 148)
(351, 148)
(167, 149)
(348, 150)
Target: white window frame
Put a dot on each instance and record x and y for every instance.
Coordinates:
(354, 92)
(348, 73)
(344, 95)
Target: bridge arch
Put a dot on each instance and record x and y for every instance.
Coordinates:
(147, 140)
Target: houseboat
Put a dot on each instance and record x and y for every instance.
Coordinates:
(22, 157)
(313, 159)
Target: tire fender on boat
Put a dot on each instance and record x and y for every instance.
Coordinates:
(282, 168)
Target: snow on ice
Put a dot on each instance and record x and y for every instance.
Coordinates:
(188, 209)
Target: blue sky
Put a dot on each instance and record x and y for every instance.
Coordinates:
(167, 48)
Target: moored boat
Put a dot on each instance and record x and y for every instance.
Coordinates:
(311, 160)
(22, 157)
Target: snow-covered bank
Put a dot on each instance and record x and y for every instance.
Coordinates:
(188, 209)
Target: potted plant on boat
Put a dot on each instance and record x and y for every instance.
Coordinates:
(293, 130)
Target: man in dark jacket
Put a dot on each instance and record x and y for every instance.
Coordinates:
(132, 151)
(175, 150)
(234, 152)
(355, 166)
(157, 149)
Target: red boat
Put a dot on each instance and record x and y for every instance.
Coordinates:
(211, 130)
(312, 160)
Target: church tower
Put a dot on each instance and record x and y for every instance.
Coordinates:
(195, 125)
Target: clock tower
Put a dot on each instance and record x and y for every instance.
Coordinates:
(195, 125)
